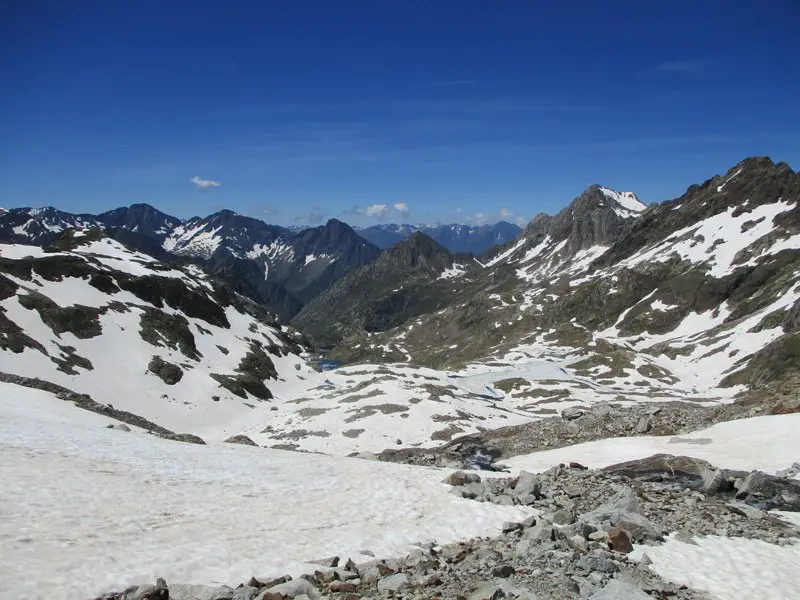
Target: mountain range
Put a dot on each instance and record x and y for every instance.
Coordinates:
(283, 268)
(475, 239)
(697, 297)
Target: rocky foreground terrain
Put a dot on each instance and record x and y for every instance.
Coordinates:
(577, 543)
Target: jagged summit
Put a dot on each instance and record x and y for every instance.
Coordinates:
(418, 251)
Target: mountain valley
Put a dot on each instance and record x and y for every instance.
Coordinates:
(150, 353)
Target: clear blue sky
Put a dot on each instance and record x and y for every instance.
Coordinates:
(303, 110)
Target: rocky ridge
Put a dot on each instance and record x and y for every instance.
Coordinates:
(694, 297)
(275, 266)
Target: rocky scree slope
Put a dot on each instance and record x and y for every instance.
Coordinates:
(696, 296)
(279, 268)
(578, 542)
(146, 342)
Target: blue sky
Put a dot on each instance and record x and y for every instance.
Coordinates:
(396, 110)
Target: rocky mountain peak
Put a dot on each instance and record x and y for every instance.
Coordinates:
(141, 218)
(334, 234)
(418, 251)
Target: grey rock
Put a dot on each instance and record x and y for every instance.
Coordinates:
(528, 484)
(118, 426)
(578, 542)
(564, 517)
(473, 490)
(292, 589)
(371, 575)
(509, 526)
(541, 533)
(503, 571)
(753, 484)
(528, 522)
(526, 499)
(461, 478)
(199, 592)
(159, 591)
(715, 481)
(571, 413)
(619, 589)
(394, 583)
(751, 512)
(331, 561)
(523, 547)
(598, 536)
(245, 593)
(643, 425)
(624, 502)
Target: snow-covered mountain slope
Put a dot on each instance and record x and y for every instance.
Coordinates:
(696, 296)
(475, 239)
(129, 505)
(167, 344)
(115, 331)
(275, 266)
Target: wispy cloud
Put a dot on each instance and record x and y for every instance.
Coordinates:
(489, 218)
(690, 66)
(204, 183)
(402, 208)
(376, 211)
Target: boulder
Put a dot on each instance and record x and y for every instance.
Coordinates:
(623, 503)
(510, 526)
(159, 591)
(200, 592)
(503, 571)
(564, 517)
(571, 413)
(643, 425)
(331, 562)
(473, 490)
(241, 439)
(290, 589)
(342, 587)
(528, 484)
(458, 478)
(619, 541)
(245, 592)
(540, 533)
(394, 583)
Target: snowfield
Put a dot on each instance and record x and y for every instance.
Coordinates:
(728, 568)
(87, 509)
(768, 444)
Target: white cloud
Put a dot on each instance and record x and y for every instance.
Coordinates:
(482, 218)
(402, 208)
(376, 211)
(204, 183)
